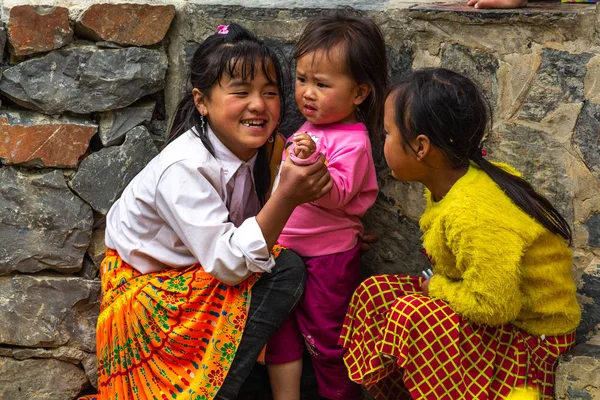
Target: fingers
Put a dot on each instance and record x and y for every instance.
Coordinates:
(370, 237)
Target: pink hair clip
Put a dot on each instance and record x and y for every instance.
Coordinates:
(223, 29)
(483, 153)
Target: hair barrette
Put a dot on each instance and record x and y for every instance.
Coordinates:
(223, 29)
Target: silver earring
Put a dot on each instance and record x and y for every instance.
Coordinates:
(271, 139)
(202, 127)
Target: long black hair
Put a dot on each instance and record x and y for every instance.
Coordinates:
(237, 52)
(363, 47)
(452, 112)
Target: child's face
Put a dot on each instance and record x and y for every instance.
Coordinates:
(400, 158)
(324, 92)
(242, 113)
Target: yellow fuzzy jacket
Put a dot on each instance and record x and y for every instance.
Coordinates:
(494, 264)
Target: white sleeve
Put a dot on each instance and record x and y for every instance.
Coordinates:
(193, 208)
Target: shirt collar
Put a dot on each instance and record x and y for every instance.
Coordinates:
(230, 162)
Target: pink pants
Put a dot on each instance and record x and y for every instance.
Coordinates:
(316, 323)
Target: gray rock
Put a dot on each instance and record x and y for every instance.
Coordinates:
(43, 225)
(587, 136)
(89, 79)
(89, 270)
(115, 124)
(40, 379)
(578, 372)
(400, 59)
(90, 366)
(102, 176)
(590, 315)
(540, 158)
(68, 354)
(593, 227)
(559, 79)
(48, 311)
(399, 245)
(2, 44)
(478, 65)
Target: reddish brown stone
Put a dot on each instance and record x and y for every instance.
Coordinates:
(34, 29)
(134, 24)
(49, 144)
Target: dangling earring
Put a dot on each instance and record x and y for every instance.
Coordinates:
(202, 126)
(271, 139)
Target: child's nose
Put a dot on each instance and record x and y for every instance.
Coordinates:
(257, 103)
(309, 93)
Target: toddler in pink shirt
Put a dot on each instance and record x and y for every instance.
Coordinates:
(341, 96)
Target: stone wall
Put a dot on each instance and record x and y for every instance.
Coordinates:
(87, 90)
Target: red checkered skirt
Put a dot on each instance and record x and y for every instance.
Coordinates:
(401, 342)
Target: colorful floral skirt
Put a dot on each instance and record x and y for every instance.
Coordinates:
(401, 342)
(166, 335)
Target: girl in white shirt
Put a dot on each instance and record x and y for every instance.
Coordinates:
(189, 238)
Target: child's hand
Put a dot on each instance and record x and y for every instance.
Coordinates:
(304, 145)
(302, 184)
(367, 239)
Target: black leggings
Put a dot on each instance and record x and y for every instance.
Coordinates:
(273, 297)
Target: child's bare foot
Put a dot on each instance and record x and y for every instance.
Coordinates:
(497, 3)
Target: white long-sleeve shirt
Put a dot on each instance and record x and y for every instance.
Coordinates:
(174, 214)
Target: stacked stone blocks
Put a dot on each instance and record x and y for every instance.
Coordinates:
(87, 92)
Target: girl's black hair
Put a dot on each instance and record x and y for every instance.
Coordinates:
(452, 112)
(238, 52)
(363, 46)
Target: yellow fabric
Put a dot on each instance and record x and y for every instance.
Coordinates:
(494, 264)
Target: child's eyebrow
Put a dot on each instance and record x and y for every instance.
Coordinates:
(235, 83)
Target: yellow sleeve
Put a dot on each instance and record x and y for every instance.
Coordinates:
(488, 257)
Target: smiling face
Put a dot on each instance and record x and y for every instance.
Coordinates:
(242, 113)
(325, 93)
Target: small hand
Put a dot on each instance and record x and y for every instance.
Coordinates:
(367, 239)
(304, 145)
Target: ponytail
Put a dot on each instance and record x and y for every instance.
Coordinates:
(528, 200)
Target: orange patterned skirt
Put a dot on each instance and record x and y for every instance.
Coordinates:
(171, 334)
(401, 342)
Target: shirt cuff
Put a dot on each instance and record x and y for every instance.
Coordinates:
(249, 239)
(304, 161)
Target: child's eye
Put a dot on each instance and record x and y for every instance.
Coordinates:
(301, 79)
(271, 94)
(321, 85)
(240, 93)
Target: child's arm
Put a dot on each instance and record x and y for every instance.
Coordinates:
(192, 207)
(489, 258)
(349, 168)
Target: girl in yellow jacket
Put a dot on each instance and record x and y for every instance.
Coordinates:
(500, 306)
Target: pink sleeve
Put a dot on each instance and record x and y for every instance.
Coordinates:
(349, 170)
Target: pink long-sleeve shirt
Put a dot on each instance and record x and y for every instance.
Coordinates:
(332, 223)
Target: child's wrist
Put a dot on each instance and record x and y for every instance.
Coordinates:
(311, 159)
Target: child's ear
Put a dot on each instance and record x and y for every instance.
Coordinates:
(200, 102)
(362, 92)
(423, 147)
